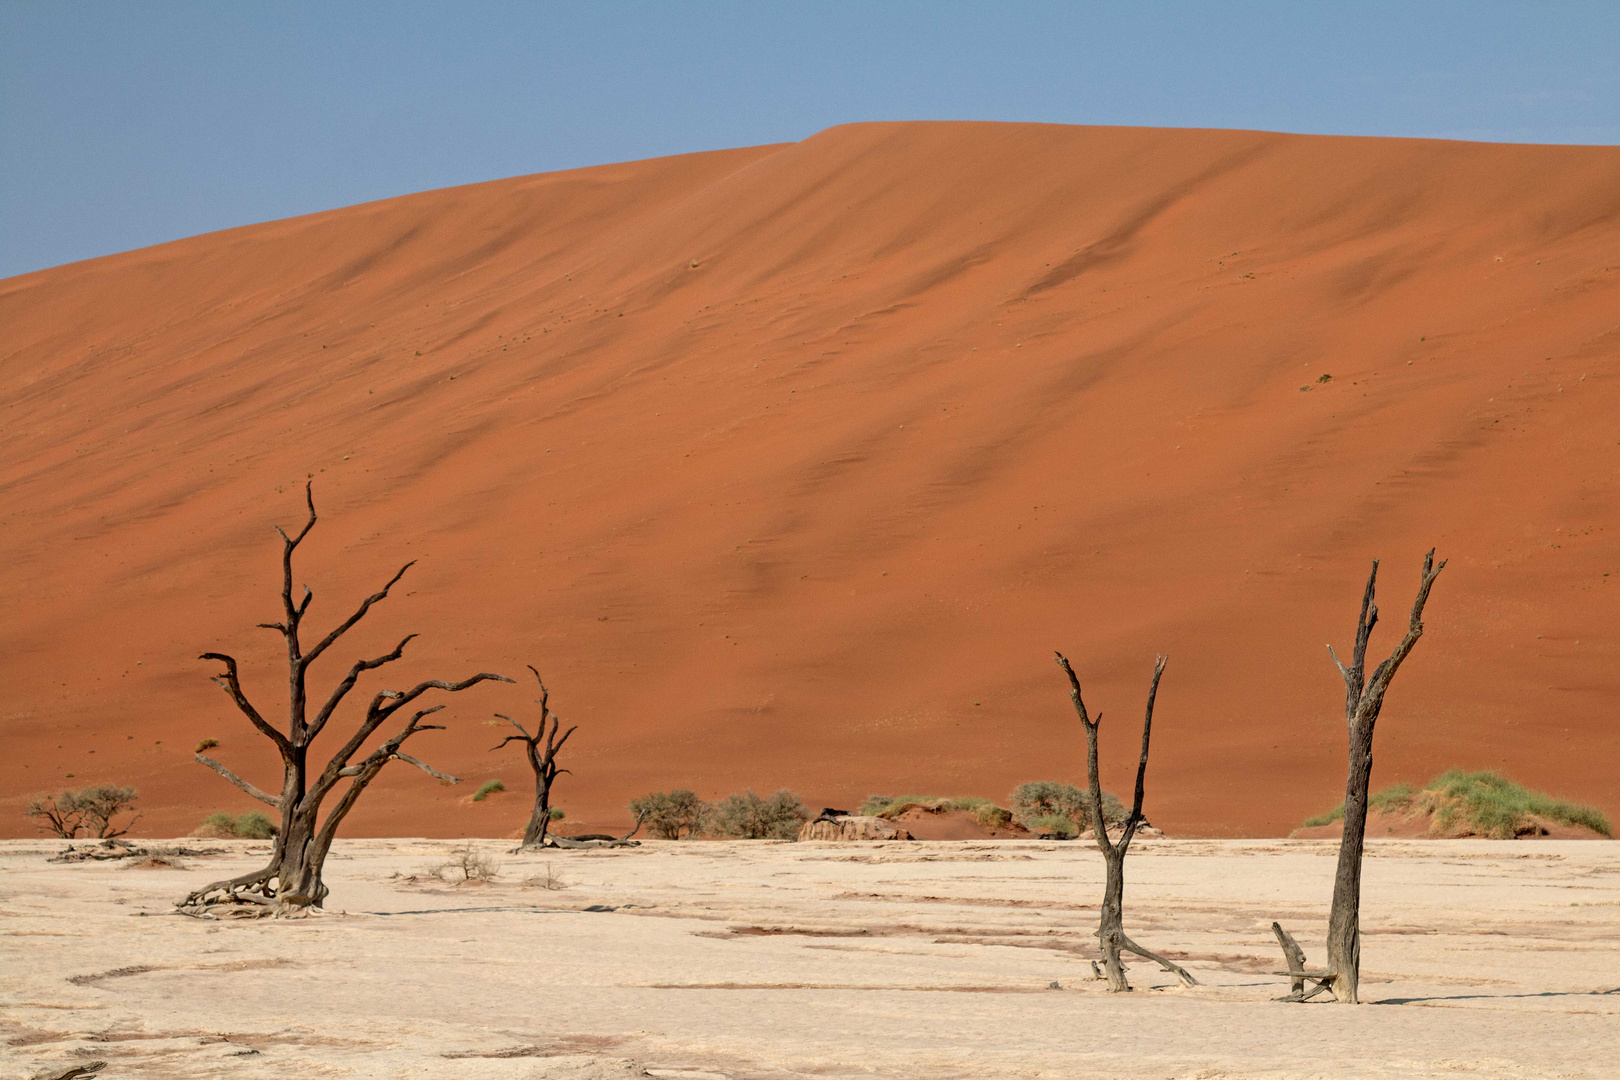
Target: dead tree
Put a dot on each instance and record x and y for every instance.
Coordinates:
(1111, 931)
(541, 748)
(291, 880)
(1364, 699)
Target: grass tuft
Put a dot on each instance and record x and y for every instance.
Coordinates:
(1484, 803)
(486, 789)
(888, 806)
(252, 825)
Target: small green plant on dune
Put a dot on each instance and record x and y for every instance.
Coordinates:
(556, 813)
(894, 805)
(991, 816)
(985, 812)
(1481, 803)
(486, 789)
(1395, 799)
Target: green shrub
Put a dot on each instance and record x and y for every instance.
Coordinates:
(669, 814)
(486, 789)
(252, 825)
(750, 817)
(255, 826)
(1046, 798)
(1485, 803)
(1051, 823)
(557, 814)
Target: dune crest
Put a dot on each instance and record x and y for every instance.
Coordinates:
(791, 465)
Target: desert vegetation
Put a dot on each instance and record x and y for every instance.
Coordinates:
(1046, 806)
(670, 815)
(674, 815)
(1484, 804)
(985, 812)
(252, 825)
(465, 865)
(90, 811)
(748, 816)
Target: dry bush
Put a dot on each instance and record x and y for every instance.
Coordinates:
(465, 864)
(546, 880)
(750, 817)
(89, 810)
(667, 815)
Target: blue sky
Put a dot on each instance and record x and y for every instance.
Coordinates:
(125, 124)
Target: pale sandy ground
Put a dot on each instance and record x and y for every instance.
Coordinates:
(1487, 959)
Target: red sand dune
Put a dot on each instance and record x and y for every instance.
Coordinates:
(791, 465)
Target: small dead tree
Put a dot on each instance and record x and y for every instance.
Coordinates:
(1111, 931)
(541, 748)
(1364, 699)
(291, 880)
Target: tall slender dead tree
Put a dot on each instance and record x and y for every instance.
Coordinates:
(541, 748)
(291, 881)
(1364, 699)
(1111, 930)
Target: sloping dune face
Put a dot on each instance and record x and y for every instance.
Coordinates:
(792, 465)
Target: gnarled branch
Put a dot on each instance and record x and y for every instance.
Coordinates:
(233, 686)
(262, 796)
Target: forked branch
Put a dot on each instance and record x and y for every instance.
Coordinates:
(360, 613)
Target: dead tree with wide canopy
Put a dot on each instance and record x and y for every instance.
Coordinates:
(1364, 699)
(541, 748)
(291, 881)
(1111, 928)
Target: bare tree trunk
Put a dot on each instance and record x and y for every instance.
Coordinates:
(1364, 699)
(291, 880)
(541, 748)
(1111, 924)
